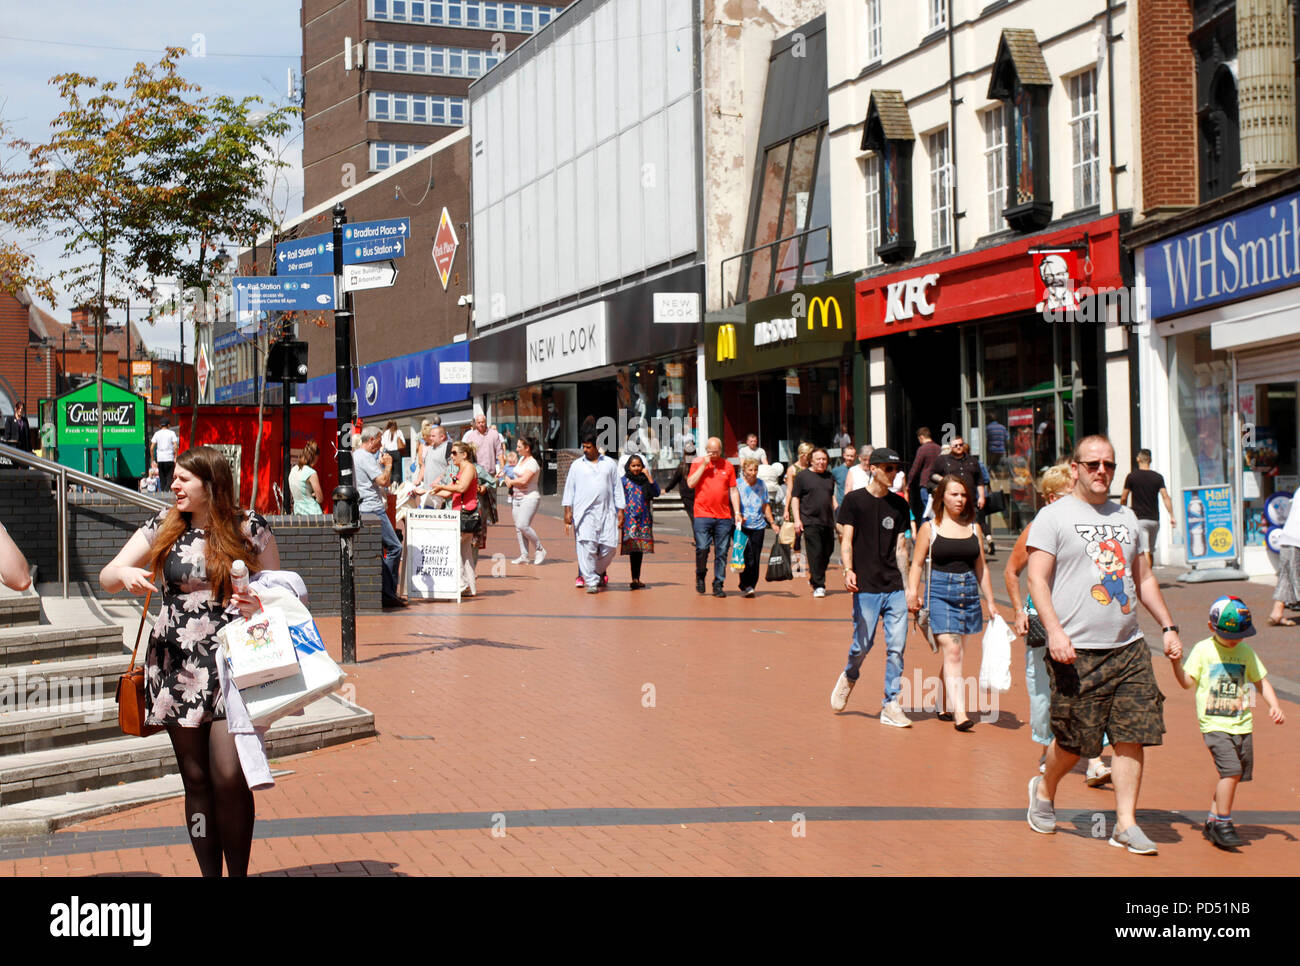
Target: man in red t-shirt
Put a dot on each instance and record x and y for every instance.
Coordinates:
(717, 512)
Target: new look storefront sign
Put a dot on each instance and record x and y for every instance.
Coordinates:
(569, 342)
(1250, 253)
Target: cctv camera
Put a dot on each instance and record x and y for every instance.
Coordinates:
(465, 300)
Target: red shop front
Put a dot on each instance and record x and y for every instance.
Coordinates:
(234, 431)
(1007, 345)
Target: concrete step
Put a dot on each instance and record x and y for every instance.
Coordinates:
(71, 722)
(27, 687)
(58, 771)
(41, 816)
(27, 646)
(20, 608)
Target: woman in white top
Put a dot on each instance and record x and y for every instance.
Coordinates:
(393, 443)
(1288, 571)
(304, 483)
(525, 498)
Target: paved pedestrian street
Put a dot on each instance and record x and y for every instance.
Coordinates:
(538, 730)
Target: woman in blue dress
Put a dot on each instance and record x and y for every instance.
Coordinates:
(638, 520)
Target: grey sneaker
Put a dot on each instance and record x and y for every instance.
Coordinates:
(843, 688)
(1041, 815)
(1134, 840)
(892, 714)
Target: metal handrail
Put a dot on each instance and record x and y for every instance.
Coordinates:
(802, 264)
(66, 475)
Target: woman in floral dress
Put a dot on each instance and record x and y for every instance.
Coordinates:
(192, 547)
(638, 521)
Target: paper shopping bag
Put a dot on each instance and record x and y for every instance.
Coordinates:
(314, 676)
(259, 648)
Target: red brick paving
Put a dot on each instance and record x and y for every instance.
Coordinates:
(555, 719)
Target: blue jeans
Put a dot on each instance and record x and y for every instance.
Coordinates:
(392, 554)
(718, 530)
(869, 610)
(1040, 694)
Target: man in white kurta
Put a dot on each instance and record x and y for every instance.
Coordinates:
(593, 506)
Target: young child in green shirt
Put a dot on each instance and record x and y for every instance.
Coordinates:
(1218, 668)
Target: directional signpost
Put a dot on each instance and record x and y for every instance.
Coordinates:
(275, 294)
(369, 275)
(306, 256)
(374, 241)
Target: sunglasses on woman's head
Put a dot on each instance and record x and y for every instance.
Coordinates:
(1094, 465)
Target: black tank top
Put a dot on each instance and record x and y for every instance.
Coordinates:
(955, 555)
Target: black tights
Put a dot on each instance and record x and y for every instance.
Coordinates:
(218, 804)
(634, 558)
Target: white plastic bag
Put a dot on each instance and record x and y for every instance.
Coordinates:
(317, 674)
(995, 668)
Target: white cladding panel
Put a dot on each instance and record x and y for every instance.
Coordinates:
(563, 93)
(529, 286)
(584, 82)
(588, 244)
(508, 280)
(510, 132)
(682, 210)
(607, 72)
(654, 184)
(629, 71)
(530, 130)
(585, 171)
(607, 206)
(631, 216)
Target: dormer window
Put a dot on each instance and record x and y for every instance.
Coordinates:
(888, 132)
(1021, 81)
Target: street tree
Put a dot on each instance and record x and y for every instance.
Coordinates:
(85, 186)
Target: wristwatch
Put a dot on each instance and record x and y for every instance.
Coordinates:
(1171, 627)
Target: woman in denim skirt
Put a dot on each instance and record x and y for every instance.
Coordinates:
(959, 581)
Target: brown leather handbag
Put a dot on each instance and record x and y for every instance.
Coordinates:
(132, 708)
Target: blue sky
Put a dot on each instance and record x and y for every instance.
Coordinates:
(246, 48)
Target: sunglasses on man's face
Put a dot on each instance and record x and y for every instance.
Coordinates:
(888, 467)
(1094, 466)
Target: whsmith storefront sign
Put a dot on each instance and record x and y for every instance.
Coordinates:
(807, 325)
(1250, 253)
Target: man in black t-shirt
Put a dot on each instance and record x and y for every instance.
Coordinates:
(813, 506)
(960, 462)
(1147, 486)
(876, 528)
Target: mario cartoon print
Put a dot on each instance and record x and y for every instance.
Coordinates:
(1108, 555)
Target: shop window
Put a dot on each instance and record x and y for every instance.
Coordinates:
(871, 178)
(888, 133)
(1214, 46)
(940, 189)
(1085, 155)
(1021, 81)
(794, 197)
(995, 163)
(1219, 137)
(1015, 362)
(873, 32)
(938, 14)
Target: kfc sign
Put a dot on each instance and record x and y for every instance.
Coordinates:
(907, 298)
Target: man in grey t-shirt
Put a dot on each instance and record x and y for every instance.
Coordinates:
(1087, 573)
(373, 473)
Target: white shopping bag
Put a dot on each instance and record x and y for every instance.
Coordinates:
(315, 676)
(995, 668)
(259, 648)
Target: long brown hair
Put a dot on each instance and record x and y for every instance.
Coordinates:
(937, 499)
(309, 452)
(225, 540)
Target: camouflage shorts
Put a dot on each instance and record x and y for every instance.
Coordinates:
(1106, 692)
